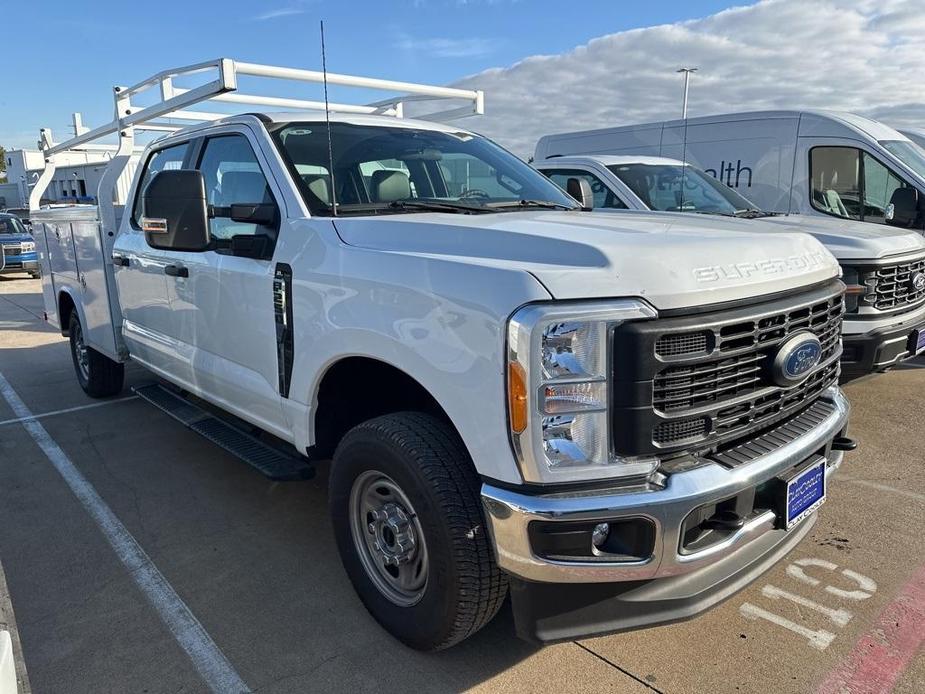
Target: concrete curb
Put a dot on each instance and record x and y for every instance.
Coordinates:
(7, 666)
(13, 677)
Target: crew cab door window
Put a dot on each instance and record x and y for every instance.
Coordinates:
(232, 177)
(850, 183)
(169, 158)
(603, 196)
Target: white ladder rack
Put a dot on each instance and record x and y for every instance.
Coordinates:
(173, 102)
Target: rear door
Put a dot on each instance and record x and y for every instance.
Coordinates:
(221, 313)
(139, 271)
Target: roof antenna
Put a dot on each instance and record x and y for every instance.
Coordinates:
(327, 120)
(687, 82)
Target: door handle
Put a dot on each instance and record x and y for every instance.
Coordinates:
(176, 271)
(120, 260)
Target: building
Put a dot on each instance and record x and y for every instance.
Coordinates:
(77, 177)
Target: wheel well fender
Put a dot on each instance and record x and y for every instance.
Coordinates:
(355, 389)
(67, 306)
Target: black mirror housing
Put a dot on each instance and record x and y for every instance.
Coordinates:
(176, 212)
(262, 214)
(905, 207)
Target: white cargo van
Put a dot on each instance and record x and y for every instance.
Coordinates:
(884, 267)
(597, 412)
(809, 162)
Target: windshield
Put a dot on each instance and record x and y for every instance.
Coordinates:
(393, 169)
(11, 225)
(908, 153)
(659, 188)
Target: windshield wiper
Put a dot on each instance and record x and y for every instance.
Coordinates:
(525, 204)
(400, 206)
(753, 214)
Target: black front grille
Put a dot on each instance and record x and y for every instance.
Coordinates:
(12, 250)
(688, 386)
(893, 286)
(694, 383)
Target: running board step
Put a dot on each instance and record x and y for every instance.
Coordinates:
(267, 460)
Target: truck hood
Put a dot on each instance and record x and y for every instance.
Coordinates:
(15, 238)
(851, 240)
(672, 261)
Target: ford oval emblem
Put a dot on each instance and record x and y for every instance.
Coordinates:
(918, 281)
(796, 358)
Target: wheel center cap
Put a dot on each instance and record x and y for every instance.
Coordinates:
(394, 533)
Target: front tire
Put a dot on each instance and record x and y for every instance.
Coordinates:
(98, 375)
(407, 517)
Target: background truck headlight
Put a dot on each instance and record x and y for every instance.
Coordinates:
(559, 367)
(27, 246)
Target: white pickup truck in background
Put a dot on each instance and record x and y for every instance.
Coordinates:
(595, 413)
(883, 266)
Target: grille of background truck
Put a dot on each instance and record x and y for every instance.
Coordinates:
(707, 380)
(892, 285)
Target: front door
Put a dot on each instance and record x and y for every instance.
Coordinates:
(222, 315)
(139, 273)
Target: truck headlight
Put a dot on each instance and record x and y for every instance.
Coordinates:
(27, 246)
(558, 389)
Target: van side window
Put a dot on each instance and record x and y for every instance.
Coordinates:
(603, 196)
(879, 185)
(232, 177)
(847, 182)
(169, 158)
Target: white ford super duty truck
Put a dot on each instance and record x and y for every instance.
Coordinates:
(883, 266)
(596, 414)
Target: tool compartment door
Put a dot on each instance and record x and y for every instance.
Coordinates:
(80, 267)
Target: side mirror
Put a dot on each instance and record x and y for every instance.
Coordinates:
(580, 189)
(176, 213)
(903, 208)
(262, 214)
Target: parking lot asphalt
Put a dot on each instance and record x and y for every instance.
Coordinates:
(254, 563)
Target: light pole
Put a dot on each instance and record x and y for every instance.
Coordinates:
(687, 83)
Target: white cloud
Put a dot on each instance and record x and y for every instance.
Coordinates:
(279, 12)
(447, 48)
(854, 55)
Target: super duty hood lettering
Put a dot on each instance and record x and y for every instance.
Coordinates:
(795, 264)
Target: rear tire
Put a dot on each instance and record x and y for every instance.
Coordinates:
(407, 516)
(98, 375)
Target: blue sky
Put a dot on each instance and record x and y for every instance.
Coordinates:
(64, 57)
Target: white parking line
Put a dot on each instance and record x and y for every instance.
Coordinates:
(18, 420)
(883, 487)
(207, 658)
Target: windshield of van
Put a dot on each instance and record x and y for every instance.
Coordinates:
(396, 169)
(11, 225)
(659, 186)
(908, 153)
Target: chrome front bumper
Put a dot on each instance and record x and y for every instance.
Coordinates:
(510, 513)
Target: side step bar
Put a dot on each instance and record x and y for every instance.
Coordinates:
(267, 460)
